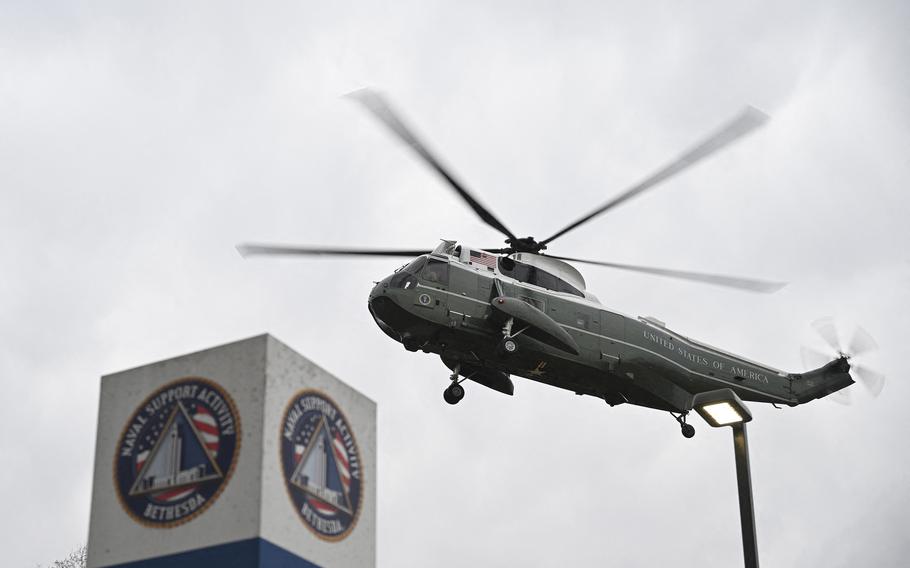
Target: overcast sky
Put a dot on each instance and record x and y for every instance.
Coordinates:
(139, 142)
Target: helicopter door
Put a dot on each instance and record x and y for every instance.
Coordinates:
(463, 295)
(485, 289)
(587, 320)
(612, 329)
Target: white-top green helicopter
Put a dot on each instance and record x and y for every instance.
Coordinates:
(491, 313)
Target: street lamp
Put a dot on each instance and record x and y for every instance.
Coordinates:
(723, 408)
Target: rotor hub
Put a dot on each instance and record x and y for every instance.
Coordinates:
(527, 244)
(842, 363)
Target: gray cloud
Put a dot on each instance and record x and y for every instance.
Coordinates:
(141, 142)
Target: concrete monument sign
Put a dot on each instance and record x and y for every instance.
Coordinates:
(246, 454)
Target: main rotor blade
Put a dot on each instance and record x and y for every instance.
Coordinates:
(246, 250)
(379, 107)
(749, 119)
(716, 279)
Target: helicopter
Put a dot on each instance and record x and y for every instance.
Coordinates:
(494, 313)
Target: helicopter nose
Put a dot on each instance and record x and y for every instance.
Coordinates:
(379, 288)
(382, 307)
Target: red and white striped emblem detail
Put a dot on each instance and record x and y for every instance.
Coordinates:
(208, 430)
(341, 458)
(322, 507)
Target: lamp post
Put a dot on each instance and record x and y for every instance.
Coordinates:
(723, 408)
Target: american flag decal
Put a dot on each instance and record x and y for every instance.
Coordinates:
(482, 258)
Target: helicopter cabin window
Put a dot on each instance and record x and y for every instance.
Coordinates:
(533, 275)
(436, 272)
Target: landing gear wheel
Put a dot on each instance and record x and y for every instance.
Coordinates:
(508, 346)
(453, 394)
(687, 430)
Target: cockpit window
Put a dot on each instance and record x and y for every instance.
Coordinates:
(533, 275)
(437, 272)
(416, 265)
(404, 276)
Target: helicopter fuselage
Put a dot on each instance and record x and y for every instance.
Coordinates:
(493, 313)
(461, 304)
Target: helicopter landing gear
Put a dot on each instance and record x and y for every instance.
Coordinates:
(508, 345)
(454, 392)
(687, 429)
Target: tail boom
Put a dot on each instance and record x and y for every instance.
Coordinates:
(821, 382)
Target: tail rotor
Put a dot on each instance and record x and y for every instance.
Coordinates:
(860, 346)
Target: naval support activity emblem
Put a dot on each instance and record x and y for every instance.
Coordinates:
(177, 452)
(320, 460)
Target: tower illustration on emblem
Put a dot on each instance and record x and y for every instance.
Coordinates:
(181, 458)
(323, 472)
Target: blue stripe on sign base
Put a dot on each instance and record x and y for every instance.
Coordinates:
(250, 553)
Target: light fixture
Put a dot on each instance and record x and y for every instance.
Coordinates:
(723, 413)
(721, 408)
